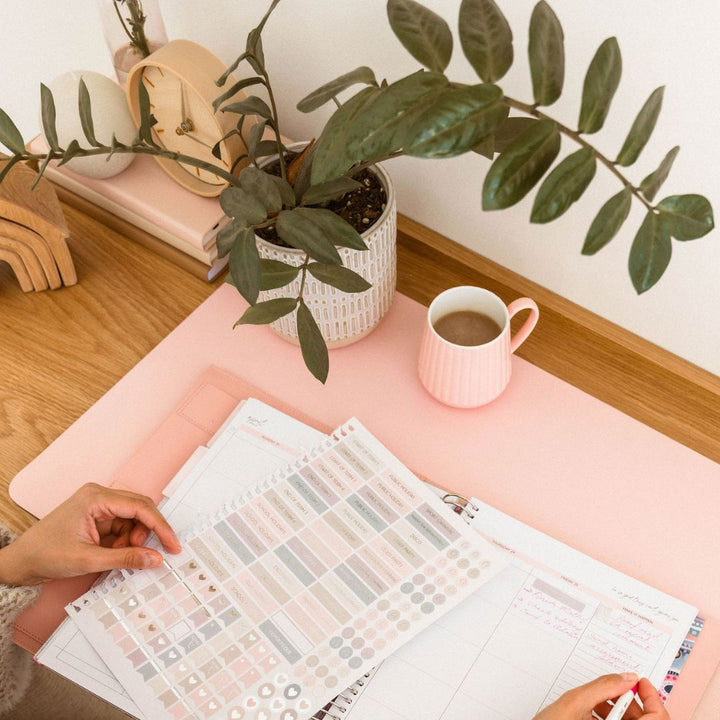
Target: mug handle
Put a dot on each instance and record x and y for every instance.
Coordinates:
(528, 326)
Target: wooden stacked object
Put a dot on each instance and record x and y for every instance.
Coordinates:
(33, 232)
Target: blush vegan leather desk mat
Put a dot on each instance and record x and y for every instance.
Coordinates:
(543, 452)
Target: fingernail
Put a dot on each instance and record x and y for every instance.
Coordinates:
(151, 560)
(629, 676)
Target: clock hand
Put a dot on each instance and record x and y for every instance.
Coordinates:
(186, 124)
(196, 139)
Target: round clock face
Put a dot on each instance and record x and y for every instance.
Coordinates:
(185, 122)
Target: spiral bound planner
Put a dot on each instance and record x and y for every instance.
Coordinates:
(290, 592)
(551, 620)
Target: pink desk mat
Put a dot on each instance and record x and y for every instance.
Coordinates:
(544, 452)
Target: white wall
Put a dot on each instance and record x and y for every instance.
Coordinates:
(310, 41)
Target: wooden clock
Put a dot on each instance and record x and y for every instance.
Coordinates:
(180, 80)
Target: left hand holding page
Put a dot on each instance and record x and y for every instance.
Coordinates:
(96, 529)
(579, 703)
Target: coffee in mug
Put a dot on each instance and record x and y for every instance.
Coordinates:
(467, 327)
(465, 357)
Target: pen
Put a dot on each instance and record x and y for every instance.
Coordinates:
(622, 704)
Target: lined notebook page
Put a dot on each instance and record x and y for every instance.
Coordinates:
(291, 593)
(551, 620)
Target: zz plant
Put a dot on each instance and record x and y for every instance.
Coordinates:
(426, 115)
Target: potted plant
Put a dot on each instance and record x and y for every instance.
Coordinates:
(426, 115)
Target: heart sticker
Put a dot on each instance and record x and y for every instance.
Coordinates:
(237, 714)
(250, 702)
(304, 704)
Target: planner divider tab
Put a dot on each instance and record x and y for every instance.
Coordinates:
(291, 592)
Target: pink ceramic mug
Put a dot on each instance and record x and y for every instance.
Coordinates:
(468, 376)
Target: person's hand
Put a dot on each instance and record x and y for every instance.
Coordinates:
(579, 703)
(95, 529)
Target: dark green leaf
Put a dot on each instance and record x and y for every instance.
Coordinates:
(301, 232)
(486, 38)
(285, 189)
(10, 136)
(327, 92)
(304, 173)
(608, 221)
(47, 114)
(641, 129)
(265, 148)
(564, 185)
(216, 150)
(601, 82)
(423, 33)
(339, 277)
(254, 51)
(253, 47)
(330, 157)
(650, 252)
(276, 274)
(252, 105)
(688, 216)
(486, 147)
(382, 127)
(312, 344)
(85, 112)
(230, 69)
(263, 313)
(245, 265)
(7, 164)
(258, 183)
(71, 151)
(40, 173)
(146, 117)
(340, 232)
(255, 137)
(509, 130)
(236, 88)
(516, 171)
(243, 206)
(653, 182)
(304, 229)
(456, 121)
(330, 190)
(227, 236)
(546, 50)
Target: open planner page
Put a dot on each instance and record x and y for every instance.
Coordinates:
(254, 442)
(291, 592)
(551, 620)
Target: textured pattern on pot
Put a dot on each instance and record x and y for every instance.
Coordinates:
(343, 317)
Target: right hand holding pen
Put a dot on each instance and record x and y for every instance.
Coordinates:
(579, 703)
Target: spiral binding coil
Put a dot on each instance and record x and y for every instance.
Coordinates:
(461, 505)
(341, 703)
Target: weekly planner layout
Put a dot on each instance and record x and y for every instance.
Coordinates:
(550, 620)
(290, 592)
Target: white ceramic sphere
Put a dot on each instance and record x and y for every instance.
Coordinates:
(110, 114)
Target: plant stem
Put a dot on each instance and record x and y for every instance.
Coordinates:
(116, 4)
(578, 138)
(138, 150)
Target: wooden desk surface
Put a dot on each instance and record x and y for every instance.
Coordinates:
(61, 350)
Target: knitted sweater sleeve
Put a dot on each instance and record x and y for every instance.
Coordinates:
(15, 663)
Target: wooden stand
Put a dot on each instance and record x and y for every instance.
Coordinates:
(33, 232)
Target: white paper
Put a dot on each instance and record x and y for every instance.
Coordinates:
(256, 441)
(552, 620)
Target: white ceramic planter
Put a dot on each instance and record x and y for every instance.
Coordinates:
(344, 318)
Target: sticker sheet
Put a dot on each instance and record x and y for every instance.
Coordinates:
(291, 593)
